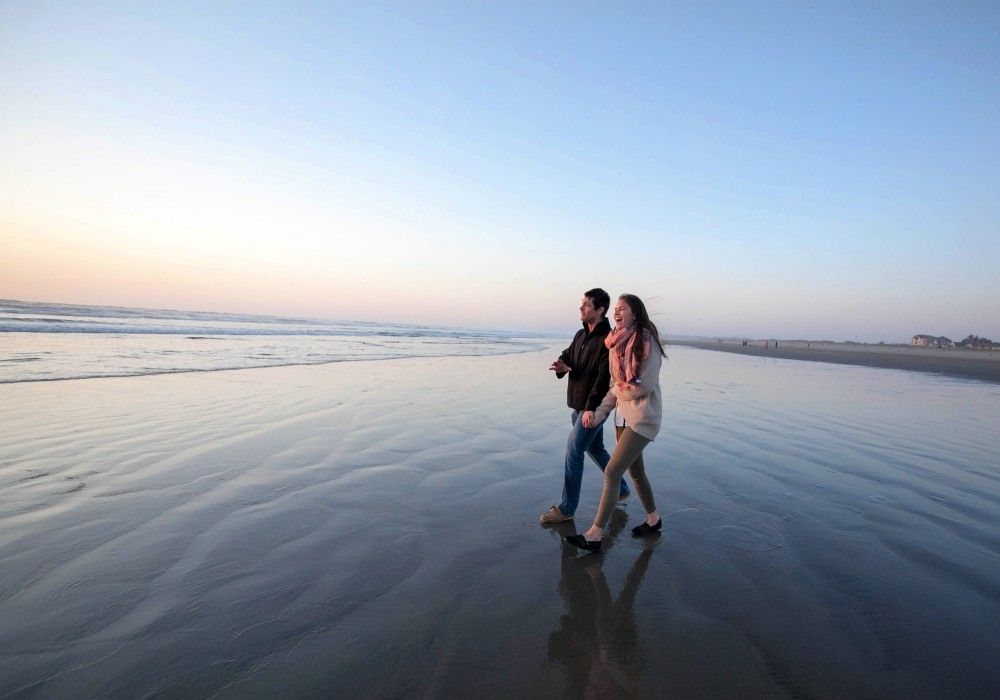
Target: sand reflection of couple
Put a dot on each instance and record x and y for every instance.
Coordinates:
(597, 641)
(610, 370)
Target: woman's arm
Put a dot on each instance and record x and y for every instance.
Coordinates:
(649, 377)
(607, 405)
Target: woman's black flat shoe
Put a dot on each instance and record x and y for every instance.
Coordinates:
(583, 543)
(646, 528)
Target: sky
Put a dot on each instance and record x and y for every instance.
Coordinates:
(765, 169)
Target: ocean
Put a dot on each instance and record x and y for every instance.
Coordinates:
(45, 341)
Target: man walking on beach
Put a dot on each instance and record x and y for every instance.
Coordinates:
(586, 362)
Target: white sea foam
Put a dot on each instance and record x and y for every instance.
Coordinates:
(40, 341)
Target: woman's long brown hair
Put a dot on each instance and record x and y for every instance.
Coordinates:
(642, 322)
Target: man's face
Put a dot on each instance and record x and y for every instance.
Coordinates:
(588, 314)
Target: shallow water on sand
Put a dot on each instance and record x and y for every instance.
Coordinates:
(370, 529)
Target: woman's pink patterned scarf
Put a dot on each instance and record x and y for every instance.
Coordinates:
(621, 342)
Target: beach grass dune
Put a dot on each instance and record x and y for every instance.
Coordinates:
(370, 529)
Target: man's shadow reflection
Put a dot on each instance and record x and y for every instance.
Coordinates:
(597, 642)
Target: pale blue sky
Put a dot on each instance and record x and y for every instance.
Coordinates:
(762, 169)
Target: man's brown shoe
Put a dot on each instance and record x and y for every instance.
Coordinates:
(554, 515)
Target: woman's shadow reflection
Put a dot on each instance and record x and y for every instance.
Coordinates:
(597, 642)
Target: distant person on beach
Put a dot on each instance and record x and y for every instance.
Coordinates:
(635, 354)
(586, 362)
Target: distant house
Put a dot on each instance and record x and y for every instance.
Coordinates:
(931, 341)
(977, 343)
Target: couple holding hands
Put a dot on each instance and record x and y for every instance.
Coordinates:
(610, 370)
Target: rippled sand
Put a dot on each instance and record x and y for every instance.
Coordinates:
(370, 529)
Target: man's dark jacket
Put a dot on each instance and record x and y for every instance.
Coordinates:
(589, 376)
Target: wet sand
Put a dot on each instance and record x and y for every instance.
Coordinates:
(370, 530)
(957, 362)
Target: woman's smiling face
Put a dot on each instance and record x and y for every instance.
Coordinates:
(623, 313)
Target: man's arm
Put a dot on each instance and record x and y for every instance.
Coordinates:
(561, 366)
(601, 383)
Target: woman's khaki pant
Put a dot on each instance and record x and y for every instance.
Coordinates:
(627, 457)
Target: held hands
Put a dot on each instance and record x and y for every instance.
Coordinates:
(589, 420)
(560, 367)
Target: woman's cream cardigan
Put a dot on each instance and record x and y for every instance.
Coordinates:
(639, 404)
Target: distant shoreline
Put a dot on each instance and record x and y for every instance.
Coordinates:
(974, 364)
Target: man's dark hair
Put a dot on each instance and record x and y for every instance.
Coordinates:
(599, 298)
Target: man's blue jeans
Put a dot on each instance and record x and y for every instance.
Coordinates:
(583, 441)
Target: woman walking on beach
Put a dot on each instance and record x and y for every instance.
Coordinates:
(635, 354)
